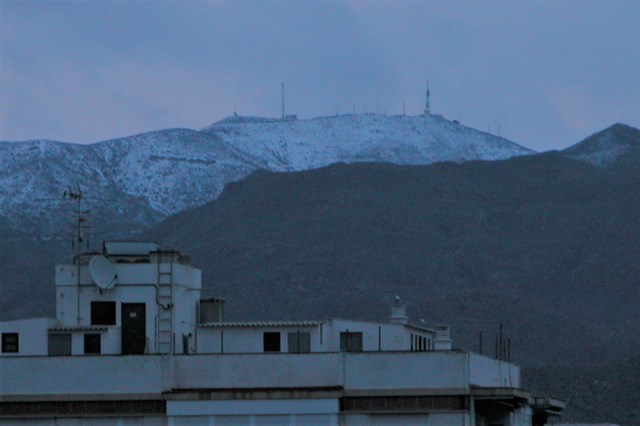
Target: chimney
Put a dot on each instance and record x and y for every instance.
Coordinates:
(398, 312)
(443, 340)
(211, 310)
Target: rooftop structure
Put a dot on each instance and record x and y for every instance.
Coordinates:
(133, 342)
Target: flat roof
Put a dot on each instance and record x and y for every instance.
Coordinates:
(230, 324)
(130, 248)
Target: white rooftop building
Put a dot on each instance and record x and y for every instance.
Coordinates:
(133, 342)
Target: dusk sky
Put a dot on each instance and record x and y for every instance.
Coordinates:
(549, 73)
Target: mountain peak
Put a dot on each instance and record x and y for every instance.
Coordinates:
(617, 143)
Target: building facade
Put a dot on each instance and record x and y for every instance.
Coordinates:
(133, 342)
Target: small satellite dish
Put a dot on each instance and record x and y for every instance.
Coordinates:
(103, 273)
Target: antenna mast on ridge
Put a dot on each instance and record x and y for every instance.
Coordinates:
(282, 101)
(427, 105)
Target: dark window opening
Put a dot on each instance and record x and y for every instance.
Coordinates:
(103, 313)
(59, 344)
(92, 344)
(350, 342)
(272, 341)
(299, 342)
(10, 343)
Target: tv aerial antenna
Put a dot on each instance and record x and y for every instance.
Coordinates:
(79, 239)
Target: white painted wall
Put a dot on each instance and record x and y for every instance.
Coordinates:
(154, 374)
(101, 375)
(417, 370)
(32, 335)
(258, 371)
(250, 339)
(489, 372)
(324, 337)
(136, 283)
(433, 419)
(248, 407)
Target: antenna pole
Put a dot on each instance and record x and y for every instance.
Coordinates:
(283, 101)
(427, 105)
(77, 196)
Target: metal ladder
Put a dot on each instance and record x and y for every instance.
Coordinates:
(164, 326)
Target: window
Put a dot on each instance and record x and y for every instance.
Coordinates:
(103, 313)
(59, 344)
(92, 344)
(299, 342)
(10, 343)
(350, 342)
(272, 341)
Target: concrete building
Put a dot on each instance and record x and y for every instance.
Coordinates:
(134, 343)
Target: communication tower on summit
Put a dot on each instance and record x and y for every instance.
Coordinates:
(427, 105)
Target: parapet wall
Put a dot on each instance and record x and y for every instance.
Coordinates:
(152, 375)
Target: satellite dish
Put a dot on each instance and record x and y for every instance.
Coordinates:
(103, 273)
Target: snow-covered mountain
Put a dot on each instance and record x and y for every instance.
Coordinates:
(136, 181)
(615, 144)
(305, 144)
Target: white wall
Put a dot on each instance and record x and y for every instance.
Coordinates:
(417, 370)
(250, 339)
(489, 372)
(248, 407)
(257, 371)
(433, 419)
(65, 376)
(33, 335)
(324, 338)
(154, 374)
(136, 284)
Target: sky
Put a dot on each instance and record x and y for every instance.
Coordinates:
(548, 73)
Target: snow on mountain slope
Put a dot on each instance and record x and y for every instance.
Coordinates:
(608, 146)
(138, 180)
(304, 144)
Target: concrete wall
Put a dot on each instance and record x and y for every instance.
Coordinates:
(32, 335)
(324, 338)
(433, 419)
(154, 374)
(489, 372)
(90, 421)
(136, 284)
(416, 370)
(63, 376)
(250, 339)
(258, 371)
(375, 336)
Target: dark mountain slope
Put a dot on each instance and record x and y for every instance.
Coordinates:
(607, 393)
(548, 245)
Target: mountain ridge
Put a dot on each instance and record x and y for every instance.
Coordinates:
(145, 177)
